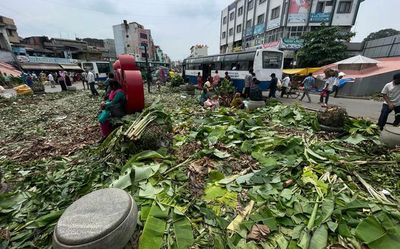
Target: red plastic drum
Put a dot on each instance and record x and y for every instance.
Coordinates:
(127, 62)
(117, 65)
(129, 77)
(134, 91)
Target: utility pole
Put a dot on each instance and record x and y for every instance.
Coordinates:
(149, 79)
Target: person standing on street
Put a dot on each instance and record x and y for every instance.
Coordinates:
(391, 95)
(248, 80)
(336, 84)
(285, 85)
(326, 91)
(92, 82)
(199, 81)
(273, 86)
(216, 79)
(308, 84)
(84, 79)
(51, 80)
(61, 81)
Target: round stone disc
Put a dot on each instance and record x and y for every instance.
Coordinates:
(392, 129)
(93, 216)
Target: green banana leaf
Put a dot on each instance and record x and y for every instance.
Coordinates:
(319, 240)
(183, 232)
(154, 228)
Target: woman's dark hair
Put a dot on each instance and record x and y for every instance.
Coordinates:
(111, 75)
(114, 84)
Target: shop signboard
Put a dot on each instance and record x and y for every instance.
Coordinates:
(298, 11)
(259, 29)
(291, 43)
(320, 17)
(273, 24)
(248, 32)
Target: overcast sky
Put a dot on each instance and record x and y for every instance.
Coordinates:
(176, 25)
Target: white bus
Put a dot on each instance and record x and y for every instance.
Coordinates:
(263, 61)
(99, 68)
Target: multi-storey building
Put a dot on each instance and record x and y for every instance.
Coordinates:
(131, 38)
(109, 45)
(8, 33)
(247, 24)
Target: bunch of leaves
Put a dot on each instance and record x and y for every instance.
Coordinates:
(225, 87)
(333, 116)
(40, 191)
(176, 80)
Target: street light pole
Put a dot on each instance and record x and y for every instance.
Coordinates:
(148, 69)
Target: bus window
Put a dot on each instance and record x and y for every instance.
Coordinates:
(218, 66)
(272, 60)
(88, 66)
(103, 68)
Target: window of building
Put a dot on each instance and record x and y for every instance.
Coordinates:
(320, 7)
(240, 11)
(232, 16)
(262, 1)
(260, 19)
(127, 36)
(249, 24)
(329, 3)
(223, 35)
(296, 31)
(128, 45)
(224, 20)
(239, 28)
(143, 35)
(275, 12)
(273, 35)
(250, 5)
(345, 7)
(230, 31)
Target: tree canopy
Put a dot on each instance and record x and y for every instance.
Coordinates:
(381, 34)
(324, 46)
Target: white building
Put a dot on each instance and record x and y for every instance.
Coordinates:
(131, 38)
(198, 51)
(280, 23)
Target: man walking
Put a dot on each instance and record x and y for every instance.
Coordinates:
(336, 84)
(91, 80)
(285, 85)
(84, 79)
(308, 84)
(391, 95)
(273, 86)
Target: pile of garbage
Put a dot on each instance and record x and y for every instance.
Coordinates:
(227, 179)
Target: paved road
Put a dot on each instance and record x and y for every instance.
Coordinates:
(355, 107)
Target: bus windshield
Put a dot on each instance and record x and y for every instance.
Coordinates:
(272, 59)
(103, 67)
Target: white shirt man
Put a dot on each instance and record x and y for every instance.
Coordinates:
(50, 78)
(90, 77)
(391, 95)
(286, 82)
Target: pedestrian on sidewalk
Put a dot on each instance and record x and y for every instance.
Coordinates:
(326, 91)
(336, 85)
(391, 95)
(285, 85)
(92, 82)
(273, 86)
(216, 79)
(308, 84)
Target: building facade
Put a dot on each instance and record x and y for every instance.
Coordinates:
(109, 45)
(198, 51)
(131, 38)
(8, 33)
(247, 24)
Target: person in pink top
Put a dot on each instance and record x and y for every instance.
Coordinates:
(216, 78)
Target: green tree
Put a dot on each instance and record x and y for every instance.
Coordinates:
(381, 34)
(323, 46)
